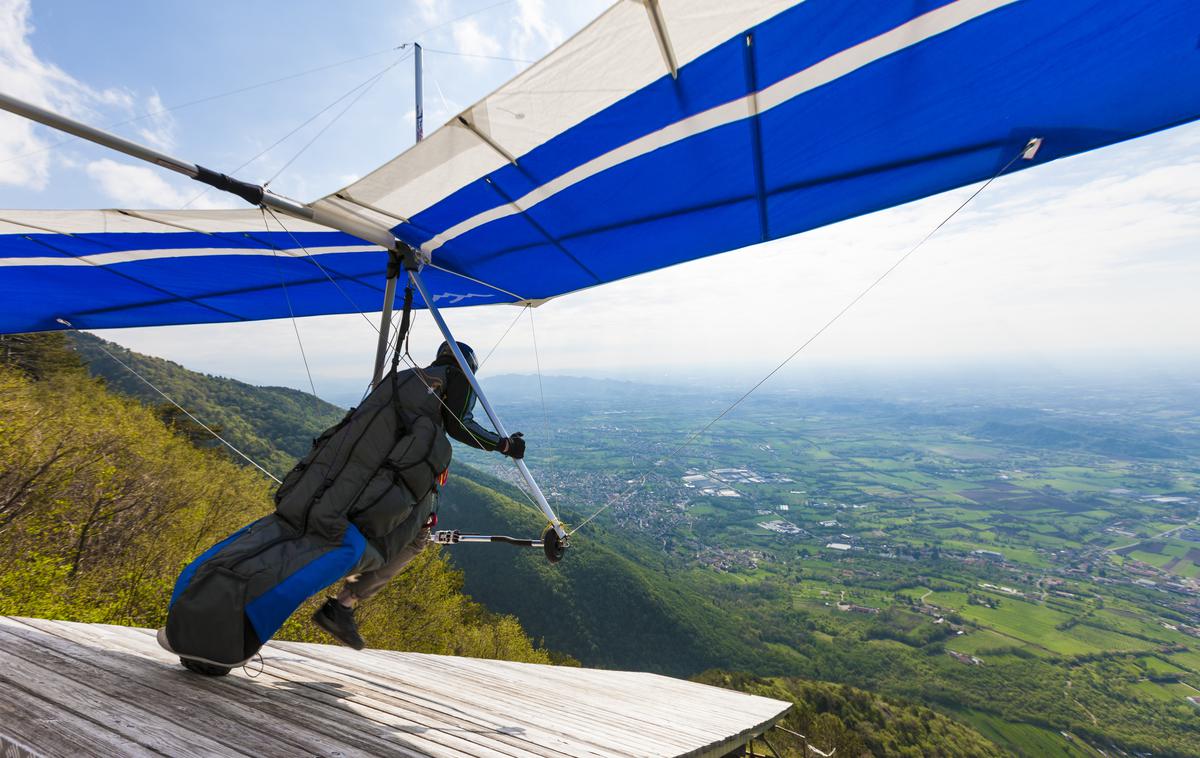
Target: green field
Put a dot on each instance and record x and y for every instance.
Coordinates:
(1026, 740)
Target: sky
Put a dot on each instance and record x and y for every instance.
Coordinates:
(1089, 263)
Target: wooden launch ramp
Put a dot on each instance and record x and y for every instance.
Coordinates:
(75, 689)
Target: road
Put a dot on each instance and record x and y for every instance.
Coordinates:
(1160, 535)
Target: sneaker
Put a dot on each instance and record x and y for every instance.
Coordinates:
(338, 621)
(204, 669)
(192, 663)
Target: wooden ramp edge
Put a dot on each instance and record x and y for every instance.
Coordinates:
(71, 689)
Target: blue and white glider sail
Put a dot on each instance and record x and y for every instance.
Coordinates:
(665, 131)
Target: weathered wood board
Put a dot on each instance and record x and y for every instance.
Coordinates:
(70, 689)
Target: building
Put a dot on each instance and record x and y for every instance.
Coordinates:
(989, 554)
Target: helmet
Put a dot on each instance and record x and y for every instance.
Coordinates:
(445, 356)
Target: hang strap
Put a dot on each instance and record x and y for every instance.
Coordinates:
(405, 322)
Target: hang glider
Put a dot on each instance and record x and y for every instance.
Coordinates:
(665, 131)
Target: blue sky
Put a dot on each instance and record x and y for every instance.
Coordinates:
(1089, 261)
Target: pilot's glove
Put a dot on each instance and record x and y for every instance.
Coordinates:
(513, 446)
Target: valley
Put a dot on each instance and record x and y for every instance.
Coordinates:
(968, 538)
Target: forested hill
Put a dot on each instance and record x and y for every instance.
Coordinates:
(272, 425)
(854, 722)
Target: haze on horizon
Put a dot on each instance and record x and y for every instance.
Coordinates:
(1085, 265)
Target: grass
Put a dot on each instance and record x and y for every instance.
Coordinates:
(979, 642)
(1106, 640)
(1154, 691)
(1157, 666)
(1033, 623)
(1189, 660)
(1023, 739)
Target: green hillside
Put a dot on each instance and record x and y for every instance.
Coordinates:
(606, 606)
(855, 722)
(272, 425)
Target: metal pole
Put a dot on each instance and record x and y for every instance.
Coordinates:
(385, 322)
(420, 109)
(487, 407)
(389, 291)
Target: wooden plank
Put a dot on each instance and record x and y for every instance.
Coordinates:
(149, 684)
(323, 711)
(636, 710)
(640, 733)
(331, 693)
(495, 696)
(324, 715)
(381, 685)
(421, 682)
(43, 728)
(319, 699)
(134, 724)
(683, 693)
(625, 685)
(634, 698)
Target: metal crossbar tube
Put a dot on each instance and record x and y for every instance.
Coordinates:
(544, 506)
(99, 136)
(457, 538)
(251, 193)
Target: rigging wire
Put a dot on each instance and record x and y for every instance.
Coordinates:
(461, 54)
(867, 290)
(334, 120)
(537, 361)
(368, 82)
(205, 99)
(311, 258)
(183, 410)
(292, 314)
(502, 336)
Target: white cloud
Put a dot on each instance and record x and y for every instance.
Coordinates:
(159, 127)
(535, 34)
(135, 186)
(469, 37)
(25, 148)
(23, 159)
(427, 10)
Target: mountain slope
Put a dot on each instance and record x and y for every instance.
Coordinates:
(607, 606)
(854, 722)
(272, 425)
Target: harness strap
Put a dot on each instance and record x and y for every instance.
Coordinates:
(405, 323)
